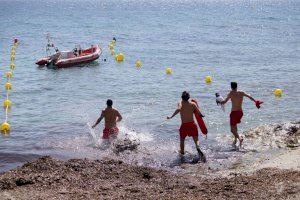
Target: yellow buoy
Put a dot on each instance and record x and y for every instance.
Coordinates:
(169, 70)
(120, 57)
(8, 86)
(8, 74)
(208, 79)
(111, 46)
(12, 53)
(12, 66)
(12, 58)
(7, 103)
(112, 52)
(278, 93)
(5, 127)
(138, 63)
(113, 42)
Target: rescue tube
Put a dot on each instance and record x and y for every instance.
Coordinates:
(199, 120)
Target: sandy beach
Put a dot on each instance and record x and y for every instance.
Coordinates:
(48, 178)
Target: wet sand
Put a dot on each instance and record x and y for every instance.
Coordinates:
(47, 178)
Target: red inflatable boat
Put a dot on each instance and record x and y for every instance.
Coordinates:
(71, 58)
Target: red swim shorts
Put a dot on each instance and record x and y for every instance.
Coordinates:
(235, 117)
(110, 131)
(188, 129)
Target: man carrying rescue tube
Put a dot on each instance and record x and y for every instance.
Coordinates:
(111, 117)
(188, 126)
(236, 114)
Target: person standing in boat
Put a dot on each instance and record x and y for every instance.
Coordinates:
(111, 117)
(55, 57)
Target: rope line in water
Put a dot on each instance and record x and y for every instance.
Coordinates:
(5, 127)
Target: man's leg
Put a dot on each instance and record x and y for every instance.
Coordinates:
(197, 143)
(236, 135)
(234, 132)
(182, 146)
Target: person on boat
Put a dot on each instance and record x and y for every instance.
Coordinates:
(55, 57)
(236, 114)
(188, 126)
(75, 51)
(111, 117)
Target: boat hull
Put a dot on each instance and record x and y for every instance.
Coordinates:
(71, 63)
(68, 59)
(43, 61)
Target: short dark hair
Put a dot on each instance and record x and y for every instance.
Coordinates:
(233, 85)
(185, 96)
(109, 102)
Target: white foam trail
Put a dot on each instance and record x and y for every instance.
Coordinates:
(164, 122)
(96, 139)
(133, 135)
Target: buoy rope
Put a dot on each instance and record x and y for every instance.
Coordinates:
(7, 99)
(5, 127)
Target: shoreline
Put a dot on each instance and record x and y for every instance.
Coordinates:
(112, 179)
(267, 176)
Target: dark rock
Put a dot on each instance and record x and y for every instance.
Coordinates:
(146, 175)
(277, 128)
(22, 181)
(120, 146)
(191, 186)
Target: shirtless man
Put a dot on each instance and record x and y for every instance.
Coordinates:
(236, 110)
(188, 126)
(111, 117)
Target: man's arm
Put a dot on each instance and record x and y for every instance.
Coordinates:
(197, 110)
(247, 95)
(227, 98)
(98, 120)
(119, 117)
(175, 113)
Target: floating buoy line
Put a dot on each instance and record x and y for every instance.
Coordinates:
(5, 126)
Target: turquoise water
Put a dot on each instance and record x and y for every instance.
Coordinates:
(254, 43)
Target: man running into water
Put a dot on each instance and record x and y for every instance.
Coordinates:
(111, 117)
(236, 110)
(188, 126)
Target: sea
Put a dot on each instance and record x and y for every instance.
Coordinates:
(255, 43)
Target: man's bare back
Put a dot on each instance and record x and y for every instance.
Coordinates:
(186, 111)
(236, 100)
(111, 116)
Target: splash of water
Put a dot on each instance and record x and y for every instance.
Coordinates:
(96, 139)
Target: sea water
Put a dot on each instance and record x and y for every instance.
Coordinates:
(255, 43)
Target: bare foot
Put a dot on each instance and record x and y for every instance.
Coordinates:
(201, 155)
(241, 142)
(181, 156)
(234, 143)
